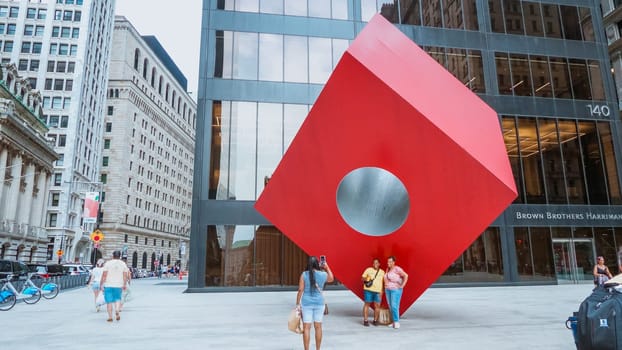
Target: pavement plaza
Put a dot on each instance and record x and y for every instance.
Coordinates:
(161, 316)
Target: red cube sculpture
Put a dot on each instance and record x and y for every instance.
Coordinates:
(390, 106)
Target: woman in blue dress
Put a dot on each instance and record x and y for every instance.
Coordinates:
(311, 300)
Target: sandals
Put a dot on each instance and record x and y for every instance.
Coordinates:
(366, 323)
(109, 320)
(118, 316)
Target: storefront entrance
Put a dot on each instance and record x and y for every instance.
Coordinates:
(574, 259)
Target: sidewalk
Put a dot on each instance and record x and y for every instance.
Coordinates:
(161, 316)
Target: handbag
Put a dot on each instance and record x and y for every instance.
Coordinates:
(100, 299)
(294, 322)
(371, 282)
(384, 316)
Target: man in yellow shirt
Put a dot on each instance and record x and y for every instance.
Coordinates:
(372, 288)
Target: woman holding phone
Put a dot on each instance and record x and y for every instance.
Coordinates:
(311, 300)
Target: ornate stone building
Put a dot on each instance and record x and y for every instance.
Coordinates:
(26, 163)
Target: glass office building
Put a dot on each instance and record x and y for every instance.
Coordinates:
(543, 65)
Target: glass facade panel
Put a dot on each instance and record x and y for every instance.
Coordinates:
(320, 60)
(457, 64)
(533, 18)
(552, 23)
(611, 170)
(319, 8)
(271, 6)
(521, 75)
(340, 9)
(575, 185)
(219, 167)
(570, 22)
(243, 147)
(470, 14)
(270, 57)
(496, 16)
(580, 80)
(269, 141)
(410, 11)
(561, 78)
(245, 56)
(513, 14)
(605, 244)
(524, 263)
(476, 72)
(452, 14)
(293, 116)
(592, 163)
(339, 47)
(510, 138)
(587, 28)
(296, 59)
(504, 76)
(552, 160)
(541, 76)
(596, 80)
(247, 5)
(531, 159)
(295, 7)
(542, 252)
(432, 15)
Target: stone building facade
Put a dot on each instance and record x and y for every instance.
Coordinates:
(148, 153)
(26, 163)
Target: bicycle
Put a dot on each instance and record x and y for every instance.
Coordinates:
(9, 294)
(48, 290)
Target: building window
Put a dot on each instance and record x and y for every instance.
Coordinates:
(136, 58)
(125, 238)
(108, 127)
(105, 161)
(110, 110)
(103, 178)
(55, 199)
(58, 179)
(107, 144)
(52, 220)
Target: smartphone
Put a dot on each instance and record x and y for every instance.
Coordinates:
(322, 260)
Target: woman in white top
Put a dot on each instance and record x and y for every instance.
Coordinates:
(96, 276)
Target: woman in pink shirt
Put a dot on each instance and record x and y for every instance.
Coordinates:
(394, 281)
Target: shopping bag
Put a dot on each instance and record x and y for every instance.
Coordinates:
(384, 316)
(100, 299)
(294, 322)
(127, 295)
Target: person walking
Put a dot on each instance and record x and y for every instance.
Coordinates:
(395, 280)
(113, 282)
(601, 272)
(311, 300)
(372, 291)
(94, 281)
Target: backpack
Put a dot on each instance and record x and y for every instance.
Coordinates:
(599, 320)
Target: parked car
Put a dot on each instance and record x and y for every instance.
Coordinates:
(75, 269)
(47, 270)
(18, 269)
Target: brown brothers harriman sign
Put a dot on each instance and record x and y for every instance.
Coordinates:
(541, 215)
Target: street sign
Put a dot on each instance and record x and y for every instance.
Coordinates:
(97, 236)
(59, 252)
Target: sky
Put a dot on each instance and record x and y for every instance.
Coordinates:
(177, 27)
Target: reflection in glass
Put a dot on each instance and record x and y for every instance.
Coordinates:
(496, 16)
(596, 80)
(606, 246)
(542, 252)
(368, 9)
(481, 262)
(320, 60)
(470, 14)
(552, 23)
(561, 77)
(510, 138)
(269, 141)
(432, 13)
(541, 77)
(521, 76)
(476, 78)
(243, 150)
(452, 13)
(388, 10)
(587, 28)
(523, 253)
(552, 160)
(580, 80)
(293, 116)
(457, 64)
(295, 7)
(513, 14)
(279, 261)
(531, 158)
(504, 78)
(533, 18)
(410, 11)
(570, 22)
(271, 6)
(219, 163)
(437, 53)
(592, 163)
(245, 56)
(247, 5)
(610, 163)
(339, 47)
(340, 9)
(319, 8)
(575, 185)
(224, 54)
(270, 57)
(296, 56)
